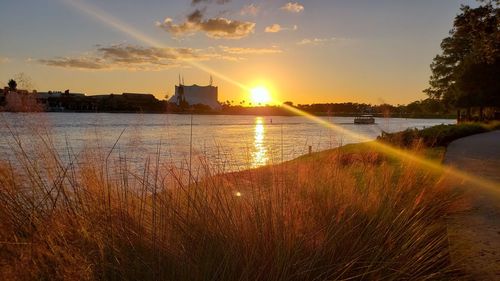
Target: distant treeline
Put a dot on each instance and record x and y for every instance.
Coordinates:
(427, 108)
(23, 101)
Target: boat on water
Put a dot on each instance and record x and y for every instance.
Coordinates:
(364, 119)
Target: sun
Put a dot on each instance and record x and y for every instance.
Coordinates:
(260, 95)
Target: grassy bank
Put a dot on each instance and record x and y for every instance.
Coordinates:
(351, 213)
(437, 136)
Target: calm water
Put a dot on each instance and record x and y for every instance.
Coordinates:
(234, 142)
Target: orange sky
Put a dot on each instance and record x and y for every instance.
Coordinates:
(305, 52)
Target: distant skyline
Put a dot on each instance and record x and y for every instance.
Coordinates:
(302, 51)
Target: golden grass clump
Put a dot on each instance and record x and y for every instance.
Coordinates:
(346, 214)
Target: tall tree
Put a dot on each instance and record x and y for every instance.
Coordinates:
(12, 84)
(465, 73)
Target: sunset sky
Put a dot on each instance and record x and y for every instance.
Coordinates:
(302, 51)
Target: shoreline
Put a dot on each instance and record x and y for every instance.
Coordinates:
(447, 117)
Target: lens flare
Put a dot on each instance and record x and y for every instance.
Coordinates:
(389, 150)
(403, 154)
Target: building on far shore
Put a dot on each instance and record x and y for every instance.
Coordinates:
(194, 94)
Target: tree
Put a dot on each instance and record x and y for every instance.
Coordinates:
(12, 85)
(464, 74)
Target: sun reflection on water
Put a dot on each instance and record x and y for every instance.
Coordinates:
(259, 154)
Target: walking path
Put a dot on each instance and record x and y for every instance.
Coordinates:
(474, 235)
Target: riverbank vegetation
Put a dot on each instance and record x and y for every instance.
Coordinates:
(346, 214)
(437, 136)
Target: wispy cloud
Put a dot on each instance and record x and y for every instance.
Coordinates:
(80, 62)
(220, 2)
(213, 27)
(273, 28)
(135, 54)
(246, 51)
(250, 9)
(293, 7)
(131, 57)
(317, 41)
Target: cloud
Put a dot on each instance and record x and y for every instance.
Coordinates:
(224, 28)
(130, 57)
(273, 28)
(316, 41)
(293, 7)
(196, 16)
(213, 27)
(81, 63)
(253, 51)
(250, 9)
(220, 2)
(140, 55)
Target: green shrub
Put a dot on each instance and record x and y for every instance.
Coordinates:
(440, 135)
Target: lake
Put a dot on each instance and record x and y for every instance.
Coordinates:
(231, 142)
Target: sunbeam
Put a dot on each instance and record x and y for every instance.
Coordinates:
(402, 154)
(393, 151)
(136, 34)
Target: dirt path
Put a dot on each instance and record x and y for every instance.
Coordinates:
(474, 235)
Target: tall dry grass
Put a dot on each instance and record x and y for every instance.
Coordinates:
(338, 215)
